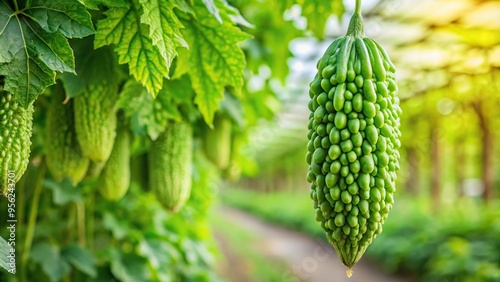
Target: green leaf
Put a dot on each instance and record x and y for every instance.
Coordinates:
(123, 28)
(158, 252)
(214, 59)
(236, 16)
(64, 192)
(152, 115)
(5, 249)
(130, 267)
(184, 5)
(232, 108)
(34, 47)
(91, 66)
(164, 27)
(212, 8)
(81, 259)
(94, 4)
(49, 258)
(68, 17)
(119, 229)
(316, 11)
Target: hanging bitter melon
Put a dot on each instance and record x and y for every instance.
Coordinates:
(64, 155)
(15, 133)
(218, 142)
(114, 180)
(95, 119)
(353, 141)
(170, 165)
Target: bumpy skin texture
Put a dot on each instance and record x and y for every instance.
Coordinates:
(114, 180)
(64, 155)
(353, 143)
(218, 142)
(95, 120)
(15, 133)
(170, 160)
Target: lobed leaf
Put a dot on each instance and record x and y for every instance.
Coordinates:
(164, 27)
(34, 45)
(94, 4)
(49, 258)
(150, 115)
(122, 27)
(68, 17)
(81, 259)
(214, 59)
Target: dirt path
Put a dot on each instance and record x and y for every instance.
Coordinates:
(308, 259)
(233, 267)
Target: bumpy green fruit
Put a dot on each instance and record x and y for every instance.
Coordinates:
(64, 156)
(170, 160)
(15, 134)
(354, 105)
(115, 177)
(218, 142)
(95, 119)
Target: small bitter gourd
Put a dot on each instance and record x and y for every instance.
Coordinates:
(95, 119)
(218, 142)
(114, 180)
(233, 170)
(353, 141)
(15, 133)
(170, 165)
(64, 156)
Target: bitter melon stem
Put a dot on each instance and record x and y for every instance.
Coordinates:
(356, 27)
(357, 9)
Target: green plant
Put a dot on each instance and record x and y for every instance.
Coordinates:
(353, 141)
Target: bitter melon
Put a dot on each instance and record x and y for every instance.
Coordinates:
(170, 165)
(353, 141)
(115, 177)
(15, 133)
(64, 156)
(95, 119)
(218, 142)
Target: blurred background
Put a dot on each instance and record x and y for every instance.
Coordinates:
(445, 225)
